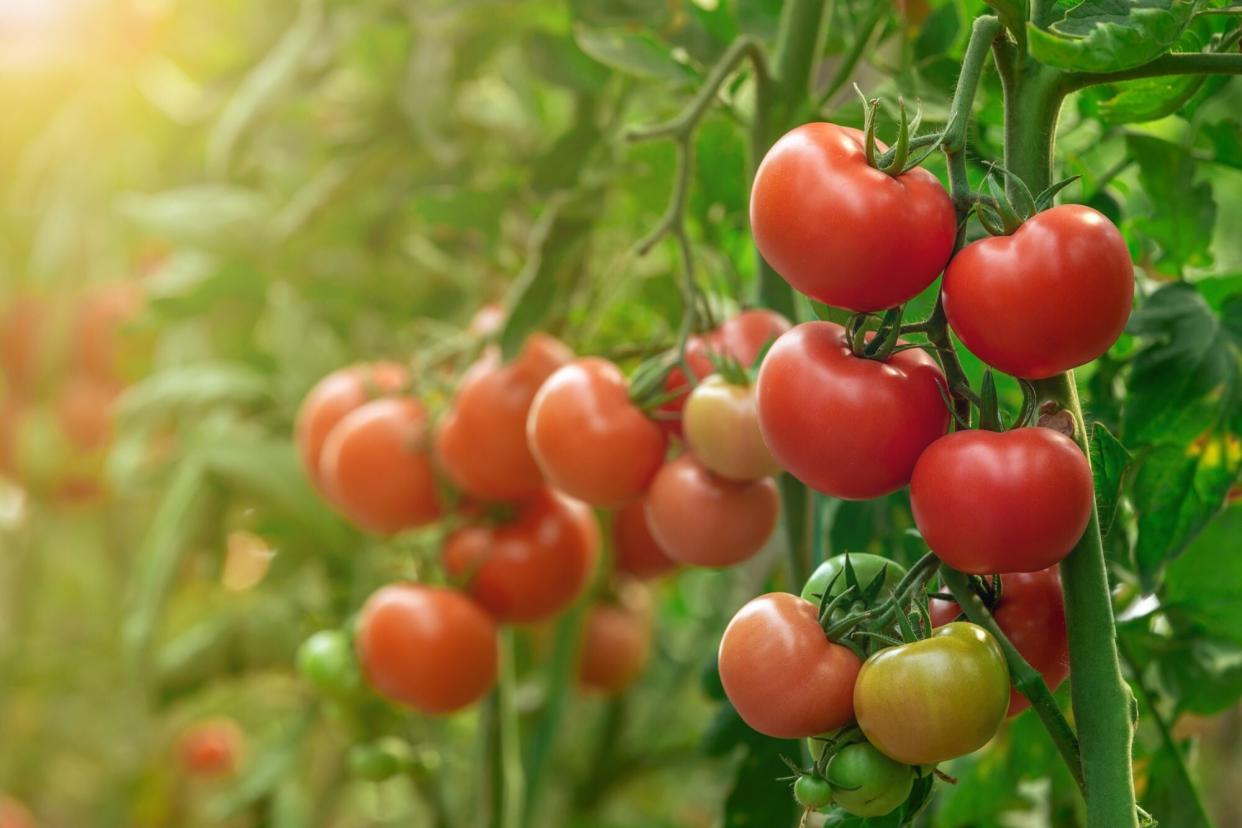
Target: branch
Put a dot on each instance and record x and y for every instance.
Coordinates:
(1181, 63)
(1026, 679)
(982, 35)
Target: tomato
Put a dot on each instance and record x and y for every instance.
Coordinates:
(333, 397)
(97, 348)
(933, 700)
(989, 502)
(702, 519)
(14, 814)
(830, 576)
(529, 568)
(481, 442)
(85, 409)
(376, 468)
(1031, 614)
(1054, 295)
(847, 426)
(430, 648)
(741, 338)
(23, 343)
(812, 792)
(211, 748)
(326, 660)
(677, 386)
(634, 550)
(843, 232)
(589, 439)
(379, 760)
(867, 783)
(616, 642)
(722, 429)
(781, 673)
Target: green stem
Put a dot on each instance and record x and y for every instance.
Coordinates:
(504, 743)
(1026, 679)
(1100, 695)
(1197, 63)
(559, 674)
(1190, 790)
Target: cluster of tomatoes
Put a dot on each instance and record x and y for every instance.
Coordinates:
(513, 470)
(64, 364)
(859, 415)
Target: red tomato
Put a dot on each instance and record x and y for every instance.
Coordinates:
(97, 348)
(616, 642)
(782, 674)
(703, 519)
(1031, 614)
(23, 338)
(211, 748)
(532, 567)
(377, 470)
(635, 552)
(430, 648)
(85, 411)
(1053, 296)
(843, 232)
(14, 814)
(589, 439)
(481, 442)
(336, 395)
(847, 426)
(989, 502)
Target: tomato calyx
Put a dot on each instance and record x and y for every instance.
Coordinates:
(884, 342)
(897, 159)
(869, 625)
(1005, 209)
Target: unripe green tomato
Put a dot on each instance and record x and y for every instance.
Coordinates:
(326, 660)
(813, 792)
(722, 429)
(381, 759)
(867, 783)
(936, 699)
(866, 568)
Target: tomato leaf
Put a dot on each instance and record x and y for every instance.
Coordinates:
(1110, 461)
(1110, 35)
(1204, 585)
(758, 797)
(1182, 236)
(633, 53)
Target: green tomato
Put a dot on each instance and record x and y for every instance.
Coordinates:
(867, 783)
(933, 700)
(326, 660)
(866, 567)
(381, 759)
(813, 792)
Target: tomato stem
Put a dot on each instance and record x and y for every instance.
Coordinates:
(1025, 678)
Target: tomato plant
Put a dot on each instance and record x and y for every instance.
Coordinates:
(722, 429)
(635, 551)
(867, 783)
(616, 642)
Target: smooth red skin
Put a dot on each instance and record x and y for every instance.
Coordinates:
(843, 232)
(703, 519)
(847, 426)
(1031, 614)
(988, 502)
(1054, 295)
(481, 442)
(211, 748)
(430, 648)
(616, 643)
(589, 439)
(332, 398)
(23, 337)
(782, 674)
(376, 468)
(740, 337)
(532, 567)
(634, 549)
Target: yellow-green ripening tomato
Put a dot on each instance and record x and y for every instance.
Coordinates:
(722, 428)
(935, 699)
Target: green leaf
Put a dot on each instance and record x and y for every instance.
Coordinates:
(1200, 672)
(1226, 142)
(1110, 35)
(758, 796)
(1182, 214)
(557, 59)
(191, 388)
(1204, 585)
(1109, 463)
(630, 52)
(205, 216)
(1149, 99)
